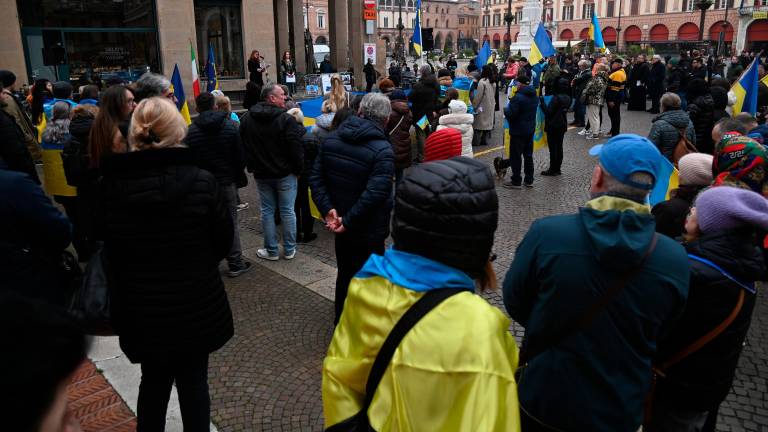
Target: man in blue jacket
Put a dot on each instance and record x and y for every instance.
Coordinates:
(594, 376)
(521, 116)
(351, 184)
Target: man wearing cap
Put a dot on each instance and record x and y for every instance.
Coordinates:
(614, 95)
(587, 363)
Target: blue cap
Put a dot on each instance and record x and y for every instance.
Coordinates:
(626, 154)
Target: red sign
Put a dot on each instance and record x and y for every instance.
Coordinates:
(369, 4)
(369, 14)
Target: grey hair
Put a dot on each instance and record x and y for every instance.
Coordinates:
(670, 100)
(57, 129)
(613, 186)
(584, 63)
(376, 107)
(151, 85)
(425, 70)
(268, 90)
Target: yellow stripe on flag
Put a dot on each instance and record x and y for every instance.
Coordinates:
(741, 94)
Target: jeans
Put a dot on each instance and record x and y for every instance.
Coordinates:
(235, 257)
(683, 99)
(521, 148)
(614, 112)
(351, 254)
(278, 193)
(555, 144)
(305, 223)
(579, 112)
(157, 378)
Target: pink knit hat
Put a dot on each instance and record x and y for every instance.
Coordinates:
(723, 207)
(695, 169)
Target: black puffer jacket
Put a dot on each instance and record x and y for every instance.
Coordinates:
(353, 174)
(424, 98)
(422, 203)
(702, 114)
(399, 128)
(75, 153)
(272, 142)
(666, 128)
(165, 231)
(215, 141)
(720, 98)
(703, 379)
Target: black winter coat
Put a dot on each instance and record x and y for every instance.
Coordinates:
(424, 99)
(521, 112)
(353, 174)
(670, 214)
(165, 231)
(676, 80)
(215, 141)
(272, 142)
(33, 235)
(580, 82)
(703, 379)
(556, 113)
(75, 153)
(702, 114)
(656, 77)
(666, 128)
(311, 144)
(14, 154)
(720, 98)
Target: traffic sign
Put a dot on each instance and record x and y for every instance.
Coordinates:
(369, 14)
(369, 4)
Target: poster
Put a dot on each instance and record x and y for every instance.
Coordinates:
(369, 53)
(326, 82)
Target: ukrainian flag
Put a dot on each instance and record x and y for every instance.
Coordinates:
(484, 56)
(423, 122)
(596, 34)
(539, 135)
(178, 91)
(463, 84)
(745, 90)
(416, 39)
(542, 46)
(665, 184)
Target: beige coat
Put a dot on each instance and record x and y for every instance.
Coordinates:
(10, 106)
(484, 104)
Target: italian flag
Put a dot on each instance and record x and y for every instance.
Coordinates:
(195, 77)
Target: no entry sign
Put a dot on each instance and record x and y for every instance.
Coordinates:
(369, 4)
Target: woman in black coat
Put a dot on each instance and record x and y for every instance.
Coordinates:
(701, 110)
(165, 231)
(638, 79)
(255, 69)
(556, 123)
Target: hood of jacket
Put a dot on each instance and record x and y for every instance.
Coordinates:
(324, 120)
(457, 119)
(400, 107)
(705, 102)
(527, 91)
(620, 230)
(80, 127)
(734, 251)
(211, 121)
(676, 118)
(356, 130)
(263, 111)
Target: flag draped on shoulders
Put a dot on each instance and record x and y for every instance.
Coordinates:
(745, 89)
(178, 91)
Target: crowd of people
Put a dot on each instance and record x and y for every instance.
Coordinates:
(652, 304)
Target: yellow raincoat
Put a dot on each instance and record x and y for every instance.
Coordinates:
(454, 371)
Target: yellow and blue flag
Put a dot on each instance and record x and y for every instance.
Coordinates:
(745, 89)
(596, 34)
(423, 122)
(416, 39)
(210, 71)
(665, 184)
(539, 135)
(178, 91)
(541, 47)
(484, 56)
(462, 84)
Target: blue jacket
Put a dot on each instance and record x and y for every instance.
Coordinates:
(521, 112)
(48, 106)
(596, 379)
(353, 174)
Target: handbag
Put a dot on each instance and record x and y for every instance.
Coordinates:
(360, 422)
(90, 302)
(683, 147)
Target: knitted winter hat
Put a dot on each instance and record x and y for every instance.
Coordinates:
(457, 107)
(741, 161)
(443, 144)
(695, 169)
(722, 208)
(7, 78)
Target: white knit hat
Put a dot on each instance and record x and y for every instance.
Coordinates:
(695, 169)
(457, 107)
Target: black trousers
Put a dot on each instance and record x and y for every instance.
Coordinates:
(555, 144)
(351, 254)
(74, 210)
(614, 112)
(521, 153)
(157, 378)
(304, 221)
(368, 85)
(655, 99)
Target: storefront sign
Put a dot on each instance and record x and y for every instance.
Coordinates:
(114, 54)
(760, 14)
(369, 51)
(369, 14)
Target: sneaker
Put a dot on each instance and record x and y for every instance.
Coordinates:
(263, 254)
(242, 206)
(307, 238)
(593, 137)
(582, 132)
(510, 185)
(237, 271)
(290, 256)
(528, 185)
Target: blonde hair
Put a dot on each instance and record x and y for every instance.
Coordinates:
(328, 107)
(156, 123)
(297, 114)
(339, 95)
(223, 103)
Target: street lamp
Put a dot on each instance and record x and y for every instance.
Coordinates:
(400, 46)
(618, 29)
(508, 19)
(703, 5)
(721, 39)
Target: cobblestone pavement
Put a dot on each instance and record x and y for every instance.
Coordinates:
(268, 377)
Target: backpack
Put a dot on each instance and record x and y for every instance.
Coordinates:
(683, 147)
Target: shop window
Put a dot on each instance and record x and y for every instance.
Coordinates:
(125, 54)
(219, 25)
(87, 13)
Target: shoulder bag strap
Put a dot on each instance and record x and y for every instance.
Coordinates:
(415, 313)
(397, 125)
(530, 351)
